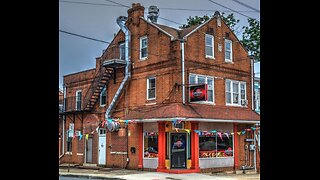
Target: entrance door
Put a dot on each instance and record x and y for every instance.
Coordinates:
(89, 150)
(102, 147)
(178, 150)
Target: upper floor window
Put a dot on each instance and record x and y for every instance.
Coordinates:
(209, 46)
(151, 88)
(103, 97)
(200, 79)
(228, 50)
(236, 93)
(122, 51)
(78, 99)
(143, 47)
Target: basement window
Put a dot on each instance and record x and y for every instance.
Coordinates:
(143, 47)
(103, 97)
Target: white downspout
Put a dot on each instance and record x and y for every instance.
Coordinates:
(121, 22)
(182, 72)
(63, 119)
(252, 83)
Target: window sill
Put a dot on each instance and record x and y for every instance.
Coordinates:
(228, 61)
(207, 103)
(102, 105)
(210, 57)
(150, 103)
(69, 153)
(236, 105)
(143, 59)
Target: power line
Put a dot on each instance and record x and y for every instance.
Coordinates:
(118, 3)
(232, 10)
(205, 10)
(246, 5)
(84, 36)
(98, 4)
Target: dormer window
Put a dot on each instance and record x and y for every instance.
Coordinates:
(209, 46)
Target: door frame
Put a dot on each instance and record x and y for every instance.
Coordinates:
(102, 135)
(186, 148)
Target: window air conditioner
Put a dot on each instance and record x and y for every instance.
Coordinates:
(244, 102)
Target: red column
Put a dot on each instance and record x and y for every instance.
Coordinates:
(140, 163)
(195, 146)
(236, 146)
(161, 146)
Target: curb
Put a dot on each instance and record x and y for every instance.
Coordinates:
(88, 176)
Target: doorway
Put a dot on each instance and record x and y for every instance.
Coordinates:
(178, 150)
(89, 150)
(102, 147)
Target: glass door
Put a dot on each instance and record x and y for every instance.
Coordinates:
(178, 150)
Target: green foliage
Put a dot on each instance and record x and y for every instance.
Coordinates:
(194, 21)
(230, 21)
(251, 38)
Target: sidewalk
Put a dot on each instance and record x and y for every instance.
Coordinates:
(120, 174)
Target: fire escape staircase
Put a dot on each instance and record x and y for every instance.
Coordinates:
(102, 78)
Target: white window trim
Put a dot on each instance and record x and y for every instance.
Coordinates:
(228, 60)
(77, 99)
(205, 44)
(120, 49)
(155, 88)
(221, 157)
(143, 148)
(203, 102)
(142, 38)
(239, 91)
(103, 89)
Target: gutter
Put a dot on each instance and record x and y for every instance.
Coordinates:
(182, 72)
(121, 22)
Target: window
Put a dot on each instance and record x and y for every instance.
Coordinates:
(228, 50)
(200, 79)
(122, 51)
(214, 145)
(236, 93)
(69, 144)
(78, 99)
(150, 145)
(103, 97)
(143, 47)
(209, 46)
(151, 88)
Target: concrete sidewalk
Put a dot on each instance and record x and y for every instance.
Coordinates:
(120, 174)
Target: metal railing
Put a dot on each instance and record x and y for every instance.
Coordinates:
(71, 104)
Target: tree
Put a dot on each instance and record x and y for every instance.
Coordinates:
(194, 21)
(250, 36)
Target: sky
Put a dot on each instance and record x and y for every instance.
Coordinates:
(97, 19)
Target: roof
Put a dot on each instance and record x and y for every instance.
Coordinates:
(194, 111)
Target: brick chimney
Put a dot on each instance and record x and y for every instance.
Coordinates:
(135, 13)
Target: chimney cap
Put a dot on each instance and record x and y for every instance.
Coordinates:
(217, 13)
(136, 4)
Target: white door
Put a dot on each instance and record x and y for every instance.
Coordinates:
(102, 147)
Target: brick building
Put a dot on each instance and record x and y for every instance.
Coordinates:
(178, 101)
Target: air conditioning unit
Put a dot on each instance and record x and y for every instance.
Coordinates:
(244, 102)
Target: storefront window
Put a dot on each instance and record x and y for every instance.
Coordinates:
(215, 146)
(150, 145)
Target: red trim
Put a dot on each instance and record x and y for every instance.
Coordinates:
(161, 146)
(236, 146)
(179, 171)
(194, 147)
(140, 163)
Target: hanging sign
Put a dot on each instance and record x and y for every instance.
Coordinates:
(198, 93)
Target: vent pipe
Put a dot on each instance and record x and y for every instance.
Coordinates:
(121, 22)
(153, 14)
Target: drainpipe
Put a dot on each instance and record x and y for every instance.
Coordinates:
(121, 22)
(182, 71)
(252, 83)
(63, 119)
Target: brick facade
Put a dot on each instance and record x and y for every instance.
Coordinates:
(163, 63)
